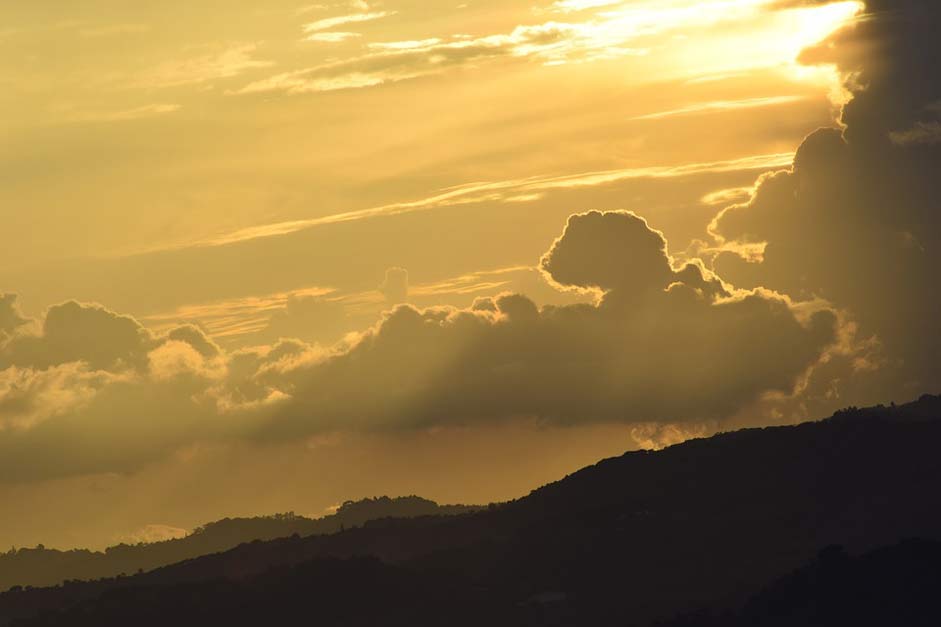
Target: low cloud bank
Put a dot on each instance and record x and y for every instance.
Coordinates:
(88, 390)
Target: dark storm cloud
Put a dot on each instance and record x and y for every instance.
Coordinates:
(857, 220)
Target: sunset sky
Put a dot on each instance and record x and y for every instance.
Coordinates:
(271, 256)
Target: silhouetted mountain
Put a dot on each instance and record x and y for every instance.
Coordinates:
(46, 567)
(648, 535)
(896, 585)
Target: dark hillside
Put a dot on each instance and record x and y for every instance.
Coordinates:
(647, 535)
(896, 585)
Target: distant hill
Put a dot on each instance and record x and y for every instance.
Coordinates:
(645, 536)
(46, 567)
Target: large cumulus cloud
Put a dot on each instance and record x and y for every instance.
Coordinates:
(857, 219)
(93, 391)
(660, 344)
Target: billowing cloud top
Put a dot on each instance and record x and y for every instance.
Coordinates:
(856, 219)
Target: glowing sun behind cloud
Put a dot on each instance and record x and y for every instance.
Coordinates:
(721, 36)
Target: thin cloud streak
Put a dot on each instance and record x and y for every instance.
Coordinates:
(73, 116)
(472, 283)
(502, 191)
(719, 106)
(231, 319)
(225, 63)
(331, 22)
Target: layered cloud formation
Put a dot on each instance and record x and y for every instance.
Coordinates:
(91, 391)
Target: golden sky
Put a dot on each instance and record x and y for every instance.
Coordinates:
(209, 213)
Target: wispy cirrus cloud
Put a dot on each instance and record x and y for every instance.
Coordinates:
(472, 283)
(73, 115)
(414, 44)
(571, 6)
(607, 34)
(394, 61)
(515, 190)
(602, 30)
(390, 62)
(245, 319)
(341, 20)
(218, 64)
(718, 106)
(233, 317)
(333, 37)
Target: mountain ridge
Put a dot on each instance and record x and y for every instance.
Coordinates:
(628, 540)
(47, 567)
